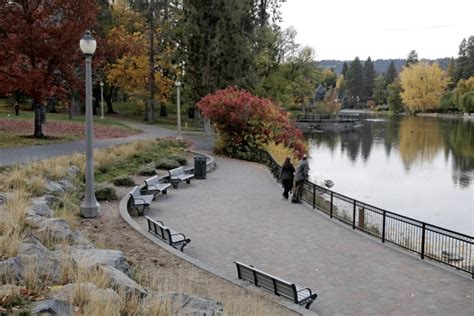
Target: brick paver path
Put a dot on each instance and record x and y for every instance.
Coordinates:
(238, 214)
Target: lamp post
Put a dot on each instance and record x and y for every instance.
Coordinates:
(178, 104)
(101, 100)
(89, 207)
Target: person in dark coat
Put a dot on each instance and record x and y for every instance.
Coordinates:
(286, 176)
(301, 175)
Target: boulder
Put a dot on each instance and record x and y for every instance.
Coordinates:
(80, 241)
(32, 246)
(120, 281)
(184, 304)
(11, 270)
(51, 199)
(52, 307)
(103, 296)
(90, 258)
(55, 228)
(73, 171)
(67, 185)
(39, 206)
(54, 188)
(34, 220)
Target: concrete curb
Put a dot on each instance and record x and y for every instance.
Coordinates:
(201, 265)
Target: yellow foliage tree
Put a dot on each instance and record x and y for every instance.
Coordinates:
(422, 86)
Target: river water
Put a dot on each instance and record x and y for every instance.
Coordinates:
(420, 167)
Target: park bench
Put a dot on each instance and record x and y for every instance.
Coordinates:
(179, 174)
(138, 201)
(296, 294)
(169, 236)
(154, 185)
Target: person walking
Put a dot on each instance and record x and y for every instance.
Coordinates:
(301, 175)
(286, 176)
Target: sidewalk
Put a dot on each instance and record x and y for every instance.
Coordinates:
(238, 214)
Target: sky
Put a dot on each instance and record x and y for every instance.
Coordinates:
(344, 29)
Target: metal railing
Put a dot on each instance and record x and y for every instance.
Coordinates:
(430, 241)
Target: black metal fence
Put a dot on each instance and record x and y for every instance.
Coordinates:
(430, 241)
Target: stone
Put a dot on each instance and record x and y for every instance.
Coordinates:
(40, 206)
(51, 199)
(90, 258)
(120, 281)
(184, 304)
(55, 228)
(34, 220)
(32, 246)
(52, 307)
(80, 241)
(73, 171)
(54, 187)
(10, 270)
(103, 296)
(67, 185)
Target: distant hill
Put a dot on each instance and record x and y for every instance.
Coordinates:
(380, 65)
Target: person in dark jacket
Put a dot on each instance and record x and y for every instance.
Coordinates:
(301, 175)
(287, 175)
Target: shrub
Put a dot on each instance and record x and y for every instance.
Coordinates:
(124, 182)
(466, 102)
(106, 193)
(167, 164)
(146, 172)
(246, 122)
(181, 159)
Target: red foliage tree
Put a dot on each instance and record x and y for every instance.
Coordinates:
(39, 48)
(246, 122)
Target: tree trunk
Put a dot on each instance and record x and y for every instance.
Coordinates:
(163, 111)
(108, 100)
(150, 114)
(42, 113)
(38, 127)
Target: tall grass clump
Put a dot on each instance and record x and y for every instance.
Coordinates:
(279, 152)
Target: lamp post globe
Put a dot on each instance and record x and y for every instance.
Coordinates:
(89, 207)
(178, 110)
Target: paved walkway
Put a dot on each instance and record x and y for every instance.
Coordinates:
(238, 214)
(13, 156)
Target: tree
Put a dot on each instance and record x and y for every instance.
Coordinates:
(465, 61)
(329, 78)
(39, 48)
(344, 68)
(463, 87)
(451, 73)
(391, 73)
(340, 85)
(394, 98)
(466, 102)
(380, 93)
(422, 86)
(330, 105)
(355, 80)
(412, 58)
(369, 77)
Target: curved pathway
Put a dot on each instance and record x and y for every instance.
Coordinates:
(13, 156)
(238, 214)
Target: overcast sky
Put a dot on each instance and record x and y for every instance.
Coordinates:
(344, 29)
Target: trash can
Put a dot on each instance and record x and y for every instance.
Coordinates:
(200, 167)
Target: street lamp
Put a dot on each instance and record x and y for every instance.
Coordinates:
(89, 207)
(101, 100)
(178, 103)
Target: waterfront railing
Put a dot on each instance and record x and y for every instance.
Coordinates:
(428, 241)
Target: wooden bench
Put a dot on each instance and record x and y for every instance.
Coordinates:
(300, 296)
(154, 185)
(138, 201)
(179, 174)
(169, 236)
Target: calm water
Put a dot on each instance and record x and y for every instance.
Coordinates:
(416, 166)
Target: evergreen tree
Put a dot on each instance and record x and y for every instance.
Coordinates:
(369, 77)
(412, 58)
(451, 73)
(461, 62)
(344, 68)
(355, 80)
(391, 73)
(380, 94)
(394, 98)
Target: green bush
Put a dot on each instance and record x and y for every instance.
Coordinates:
(181, 159)
(106, 193)
(146, 172)
(124, 182)
(167, 164)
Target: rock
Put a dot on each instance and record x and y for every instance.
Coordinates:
(67, 185)
(80, 241)
(10, 270)
(51, 199)
(54, 187)
(184, 304)
(34, 220)
(39, 206)
(90, 290)
(32, 246)
(73, 171)
(120, 281)
(9, 295)
(54, 228)
(52, 307)
(93, 257)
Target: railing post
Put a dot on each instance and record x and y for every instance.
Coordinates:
(314, 196)
(423, 241)
(354, 216)
(383, 226)
(332, 197)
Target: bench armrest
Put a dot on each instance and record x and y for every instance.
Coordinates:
(137, 198)
(306, 289)
(178, 234)
(160, 222)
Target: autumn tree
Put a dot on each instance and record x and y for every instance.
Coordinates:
(329, 78)
(422, 86)
(39, 48)
(330, 105)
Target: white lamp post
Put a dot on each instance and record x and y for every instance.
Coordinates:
(101, 100)
(178, 103)
(89, 207)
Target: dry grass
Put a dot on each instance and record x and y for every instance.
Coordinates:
(37, 186)
(13, 224)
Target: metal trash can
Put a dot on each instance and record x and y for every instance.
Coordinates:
(200, 171)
